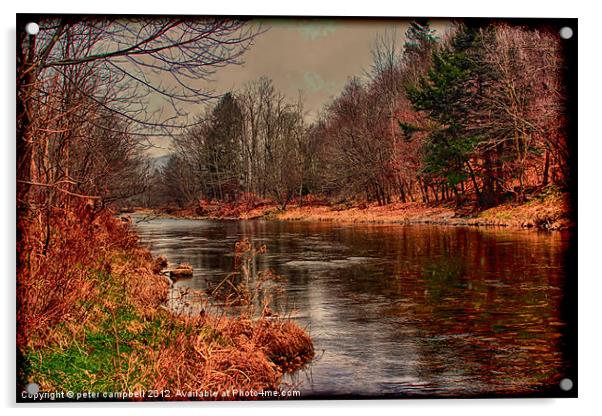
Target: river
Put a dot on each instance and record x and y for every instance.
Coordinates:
(400, 310)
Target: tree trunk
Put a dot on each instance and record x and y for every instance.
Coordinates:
(474, 182)
(402, 194)
(546, 169)
(488, 191)
(24, 142)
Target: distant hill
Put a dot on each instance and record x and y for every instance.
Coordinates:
(159, 162)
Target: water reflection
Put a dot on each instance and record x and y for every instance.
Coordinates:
(401, 310)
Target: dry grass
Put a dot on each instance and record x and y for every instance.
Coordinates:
(392, 213)
(62, 267)
(91, 317)
(287, 345)
(546, 211)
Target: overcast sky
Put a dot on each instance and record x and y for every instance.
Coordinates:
(314, 56)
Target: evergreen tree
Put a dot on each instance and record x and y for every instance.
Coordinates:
(222, 148)
(419, 35)
(448, 95)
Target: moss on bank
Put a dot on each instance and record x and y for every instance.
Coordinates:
(92, 318)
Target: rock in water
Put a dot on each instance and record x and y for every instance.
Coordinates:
(183, 270)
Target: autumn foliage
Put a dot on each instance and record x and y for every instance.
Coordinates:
(475, 116)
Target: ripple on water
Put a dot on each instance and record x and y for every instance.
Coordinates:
(401, 310)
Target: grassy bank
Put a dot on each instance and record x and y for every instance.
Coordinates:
(548, 210)
(92, 318)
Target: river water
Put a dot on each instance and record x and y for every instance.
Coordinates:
(400, 310)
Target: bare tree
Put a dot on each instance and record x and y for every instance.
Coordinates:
(360, 150)
(273, 129)
(128, 67)
(525, 105)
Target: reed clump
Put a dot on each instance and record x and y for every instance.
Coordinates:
(92, 317)
(285, 343)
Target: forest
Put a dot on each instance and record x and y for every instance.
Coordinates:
(473, 117)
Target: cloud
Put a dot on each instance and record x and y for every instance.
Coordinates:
(313, 82)
(315, 29)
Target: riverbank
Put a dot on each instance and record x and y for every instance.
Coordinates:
(92, 317)
(548, 210)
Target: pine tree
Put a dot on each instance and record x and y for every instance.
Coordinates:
(417, 50)
(419, 35)
(448, 94)
(222, 148)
